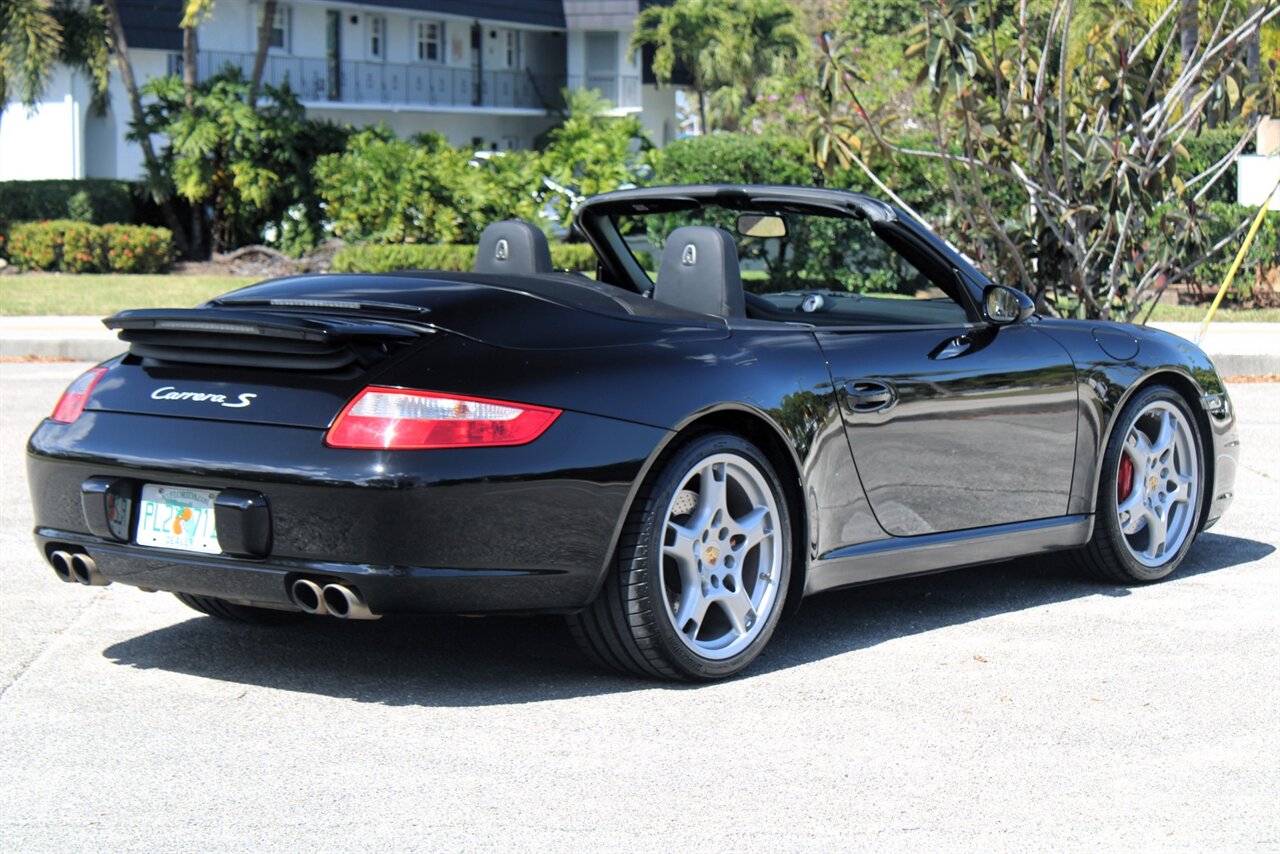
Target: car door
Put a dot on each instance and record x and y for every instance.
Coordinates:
(956, 426)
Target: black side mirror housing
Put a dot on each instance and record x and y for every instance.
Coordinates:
(1003, 305)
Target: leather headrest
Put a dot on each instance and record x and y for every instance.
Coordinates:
(513, 247)
(699, 272)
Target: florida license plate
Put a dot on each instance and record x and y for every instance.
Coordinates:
(176, 517)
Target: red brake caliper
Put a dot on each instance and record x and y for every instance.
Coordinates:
(1124, 478)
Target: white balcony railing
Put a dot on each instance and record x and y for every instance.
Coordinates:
(353, 82)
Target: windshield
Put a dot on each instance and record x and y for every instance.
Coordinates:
(828, 269)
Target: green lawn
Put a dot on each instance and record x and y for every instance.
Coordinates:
(55, 293)
(99, 295)
(1196, 313)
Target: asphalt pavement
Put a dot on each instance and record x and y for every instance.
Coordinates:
(1008, 707)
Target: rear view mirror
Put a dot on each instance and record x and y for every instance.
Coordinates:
(1003, 304)
(759, 225)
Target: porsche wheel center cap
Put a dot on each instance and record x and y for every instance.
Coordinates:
(1152, 481)
(712, 554)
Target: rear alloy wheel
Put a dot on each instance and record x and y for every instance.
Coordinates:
(703, 566)
(233, 612)
(1152, 491)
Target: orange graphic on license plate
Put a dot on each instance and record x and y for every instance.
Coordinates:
(184, 516)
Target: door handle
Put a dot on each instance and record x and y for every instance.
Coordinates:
(863, 396)
(954, 348)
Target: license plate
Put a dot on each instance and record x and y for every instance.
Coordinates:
(175, 517)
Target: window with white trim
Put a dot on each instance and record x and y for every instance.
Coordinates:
(377, 37)
(279, 38)
(512, 49)
(429, 41)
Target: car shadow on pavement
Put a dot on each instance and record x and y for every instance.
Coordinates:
(456, 661)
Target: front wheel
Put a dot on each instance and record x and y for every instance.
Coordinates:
(702, 567)
(1151, 492)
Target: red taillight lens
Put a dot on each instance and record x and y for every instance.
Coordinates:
(72, 402)
(398, 419)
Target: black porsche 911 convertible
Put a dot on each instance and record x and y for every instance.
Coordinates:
(764, 393)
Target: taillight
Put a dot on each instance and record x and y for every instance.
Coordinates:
(400, 419)
(72, 402)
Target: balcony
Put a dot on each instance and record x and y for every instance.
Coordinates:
(430, 87)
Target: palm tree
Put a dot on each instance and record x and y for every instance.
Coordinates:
(683, 36)
(759, 35)
(36, 36)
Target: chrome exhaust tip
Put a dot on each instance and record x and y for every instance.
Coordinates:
(346, 603)
(86, 571)
(308, 596)
(61, 563)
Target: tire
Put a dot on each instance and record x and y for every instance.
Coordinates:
(1158, 499)
(224, 610)
(702, 567)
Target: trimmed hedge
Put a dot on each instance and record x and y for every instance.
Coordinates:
(95, 200)
(69, 246)
(372, 258)
(1261, 260)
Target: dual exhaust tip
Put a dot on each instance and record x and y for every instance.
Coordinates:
(337, 600)
(77, 568)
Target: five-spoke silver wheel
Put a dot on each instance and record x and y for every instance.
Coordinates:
(721, 555)
(1156, 484)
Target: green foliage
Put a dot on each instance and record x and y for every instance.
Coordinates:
(89, 200)
(137, 249)
(391, 190)
(82, 248)
(249, 164)
(1064, 152)
(37, 35)
(1207, 148)
(735, 158)
(453, 258)
(727, 49)
(592, 152)
(1260, 262)
(77, 247)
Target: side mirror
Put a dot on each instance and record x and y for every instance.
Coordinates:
(1004, 305)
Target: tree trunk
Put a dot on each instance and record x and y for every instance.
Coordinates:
(264, 43)
(1253, 51)
(1188, 40)
(135, 106)
(189, 64)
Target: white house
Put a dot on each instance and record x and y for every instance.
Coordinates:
(485, 73)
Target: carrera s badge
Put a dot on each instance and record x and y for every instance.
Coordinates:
(170, 393)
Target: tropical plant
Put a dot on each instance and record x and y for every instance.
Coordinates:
(725, 50)
(38, 35)
(247, 164)
(388, 190)
(1091, 138)
(591, 151)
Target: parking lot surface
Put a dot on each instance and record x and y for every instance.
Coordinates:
(1007, 707)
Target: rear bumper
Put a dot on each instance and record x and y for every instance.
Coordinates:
(529, 528)
(386, 589)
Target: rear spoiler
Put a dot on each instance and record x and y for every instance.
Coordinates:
(265, 339)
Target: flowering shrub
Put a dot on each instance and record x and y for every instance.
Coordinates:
(69, 246)
(137, 248)
(81, 248)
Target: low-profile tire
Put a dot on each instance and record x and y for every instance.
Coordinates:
(224, 610)
(702, 567)
(1151, 491)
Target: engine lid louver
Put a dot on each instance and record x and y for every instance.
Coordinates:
(287, 339)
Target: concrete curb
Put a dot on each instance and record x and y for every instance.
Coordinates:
(1237, 349)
